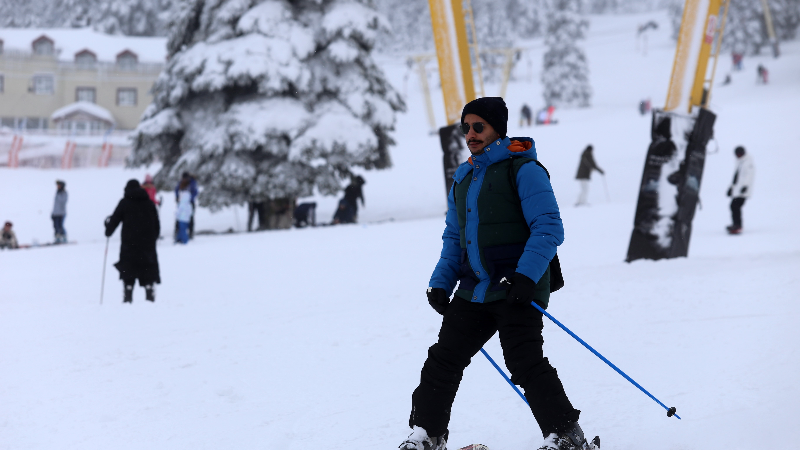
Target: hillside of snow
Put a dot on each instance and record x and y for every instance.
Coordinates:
(314, 338)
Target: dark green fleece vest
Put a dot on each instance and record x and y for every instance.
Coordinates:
(502, 231)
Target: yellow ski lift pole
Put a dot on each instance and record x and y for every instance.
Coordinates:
(697, 97)
(452, 52)
(717, 46)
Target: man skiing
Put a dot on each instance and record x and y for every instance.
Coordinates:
(502, 230)
(60, 212)
(584, 174)
(140, 230)
(741, 188)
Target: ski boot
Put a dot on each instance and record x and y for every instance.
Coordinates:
(571, 439)
(128, 292)
(150, 293)
(733, 229)
(419, 440)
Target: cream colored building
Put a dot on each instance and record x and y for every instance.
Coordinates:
(42, 71)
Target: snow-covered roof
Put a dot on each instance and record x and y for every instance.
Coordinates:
(69, 41)
(83, 107)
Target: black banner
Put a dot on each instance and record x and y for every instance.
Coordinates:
(670, 187)
(453, 147)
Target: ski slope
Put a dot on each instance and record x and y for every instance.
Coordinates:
(314, 338)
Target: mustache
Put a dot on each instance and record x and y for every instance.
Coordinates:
(474, 141)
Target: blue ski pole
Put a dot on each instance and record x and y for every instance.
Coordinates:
(504, 375)
(670, 411)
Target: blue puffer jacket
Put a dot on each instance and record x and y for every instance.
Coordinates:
(539, 207)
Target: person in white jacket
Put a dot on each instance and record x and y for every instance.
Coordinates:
(184, 212)
(741, 188)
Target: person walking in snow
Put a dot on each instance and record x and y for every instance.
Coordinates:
(150, 188)
(501, 233)
(60, 212)
(193, 195)
(137, 251)
(525, 115)
(347, 212)
(183, 215)
(8, 239)
(584, 174)
(741, 188)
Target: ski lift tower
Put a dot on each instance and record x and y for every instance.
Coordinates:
(455, 72)
(680, 131)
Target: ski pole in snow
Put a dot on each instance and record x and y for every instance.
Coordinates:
(504, 375)
(103, 283)
(605, 185)
(670, 411)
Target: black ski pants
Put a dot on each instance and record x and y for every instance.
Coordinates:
(736, 211)
(466, 326)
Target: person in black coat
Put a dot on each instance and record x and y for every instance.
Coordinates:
(585, 168)
(140, 231)
(347, 212)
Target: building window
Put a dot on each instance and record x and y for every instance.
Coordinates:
(127, 60)
(43, 46)
(126, 97)
(85, 94)
(2, 83)
(43, 84)
(85, 59)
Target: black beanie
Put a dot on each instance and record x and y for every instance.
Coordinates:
(491, 109)
(739, 151)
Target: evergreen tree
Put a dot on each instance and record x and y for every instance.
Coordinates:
(268, 99)
(128, 17)
(565, 72)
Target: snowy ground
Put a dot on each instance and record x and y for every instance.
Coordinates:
(314, 338)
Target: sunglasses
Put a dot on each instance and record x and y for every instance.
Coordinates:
(477, 126)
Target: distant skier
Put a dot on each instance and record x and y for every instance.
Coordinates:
(526, 115)
(584, 174)
(763, 74)
(60, 212)
(193, 194)
(502, 230)
(737, 60)
(183, 215)
(545, 116)
(150, 188)
(741, 188)
(347, 211)
(8, 239)
(644, 106)
(137, 251)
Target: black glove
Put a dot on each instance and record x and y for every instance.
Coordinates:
(519, 288)
(730, 191)
(438, 299)
(744, 189)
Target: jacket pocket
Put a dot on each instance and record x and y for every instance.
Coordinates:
(502, 261)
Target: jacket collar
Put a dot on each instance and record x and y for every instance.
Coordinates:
(499, 150)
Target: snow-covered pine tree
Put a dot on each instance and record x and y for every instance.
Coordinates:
(565, 72)
(744, 32)
(268, 99)
(128, 17)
